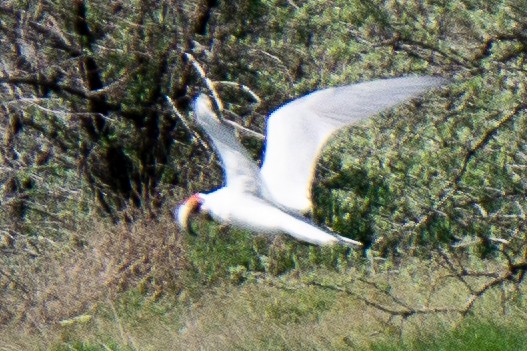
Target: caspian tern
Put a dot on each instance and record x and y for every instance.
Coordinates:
(273, 199)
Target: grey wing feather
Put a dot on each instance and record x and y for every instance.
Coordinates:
(297, 131)
(240, 170)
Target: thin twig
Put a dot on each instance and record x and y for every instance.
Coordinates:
(404, 313)
(208, 81)
(242, 87)
(246, 130)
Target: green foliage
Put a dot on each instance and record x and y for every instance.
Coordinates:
(216, 254)
(440, 171)
(87, 96)
(433, 173)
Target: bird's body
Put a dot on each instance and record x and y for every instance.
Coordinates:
(235, 208)
(272, 199)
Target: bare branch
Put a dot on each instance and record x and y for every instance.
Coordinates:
(487, 136)
(404, 313)
(208, 82)
(468, 157)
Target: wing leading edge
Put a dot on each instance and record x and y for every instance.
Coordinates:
(297, 131)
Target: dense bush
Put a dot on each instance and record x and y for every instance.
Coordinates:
(88, 127)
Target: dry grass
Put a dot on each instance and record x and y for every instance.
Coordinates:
(45, 283)
(271, 318)
(290, 313)
(285, 312)
(133, 287)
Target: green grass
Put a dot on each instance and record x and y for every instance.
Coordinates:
(285, 313)
(474, 335)
(471, 335)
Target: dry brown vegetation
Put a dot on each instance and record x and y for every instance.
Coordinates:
(52, 282)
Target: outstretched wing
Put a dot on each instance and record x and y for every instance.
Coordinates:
(240, 170)
(297, 131)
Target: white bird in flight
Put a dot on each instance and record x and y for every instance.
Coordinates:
(273, 199)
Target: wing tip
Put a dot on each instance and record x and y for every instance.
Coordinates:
(435, 81)
(202, 105)
(428, 81)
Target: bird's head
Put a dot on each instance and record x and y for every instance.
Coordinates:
(191, 206)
